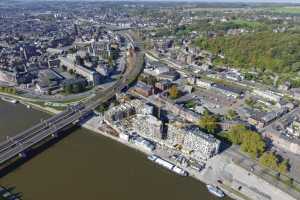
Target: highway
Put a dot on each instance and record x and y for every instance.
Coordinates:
(18, 144)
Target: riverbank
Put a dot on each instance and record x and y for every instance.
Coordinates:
(99, 165)
(94, 123)
(220, 167)
(49, 107)
(221, 170)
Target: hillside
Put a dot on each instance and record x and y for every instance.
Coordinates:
(276, 52)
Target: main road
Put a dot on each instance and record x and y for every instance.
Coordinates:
(18, 144)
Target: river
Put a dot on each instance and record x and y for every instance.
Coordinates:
(85, 165)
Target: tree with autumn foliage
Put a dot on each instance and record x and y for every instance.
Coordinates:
(209, 122)
(174, 93)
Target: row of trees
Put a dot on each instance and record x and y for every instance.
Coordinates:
(210, 122)
(150, 80)
(249, 141)
(8, 90)
(275, 162)
(253, 144)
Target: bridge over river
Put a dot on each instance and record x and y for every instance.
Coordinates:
(17, 145)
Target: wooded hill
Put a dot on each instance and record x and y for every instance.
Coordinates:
(276, 52)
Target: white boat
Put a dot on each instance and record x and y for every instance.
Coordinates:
(7, 99)
(152, 157)
(180, 171)
(167, 165)
(215, 191)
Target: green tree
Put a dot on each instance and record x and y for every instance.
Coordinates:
(283, 167)
(13, 91)
(207, 112)
(290, 182)
(190, 104)
(253, 144)
(236, 134)
(232, 115)
(263, 50)
(249, 102)
(270, 160)
(209, 123)
(295, 67)
(150, 80)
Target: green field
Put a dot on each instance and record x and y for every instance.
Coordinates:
(247, 24)
(287, 10)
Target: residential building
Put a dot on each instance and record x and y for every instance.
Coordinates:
(91, 76)
(267, 94)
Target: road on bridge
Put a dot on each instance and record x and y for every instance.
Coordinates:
(17, 145)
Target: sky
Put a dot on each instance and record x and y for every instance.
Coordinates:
(261, 1)
(212, 1)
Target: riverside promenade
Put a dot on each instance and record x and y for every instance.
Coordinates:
(237, 182)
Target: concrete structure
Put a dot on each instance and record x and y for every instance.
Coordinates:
(127, 109)
(163, 85)
(204, 83)
(283, 141)
(267, 95)
(143, 89)
(228, 91)
(260, 120)
(157, 71)
(144, 143)
(18, 144)
(8, 77)
(92, 76)
(148, 126)
(190, 139)
(284, 133)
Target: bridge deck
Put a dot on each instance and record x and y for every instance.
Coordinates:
(13, 146)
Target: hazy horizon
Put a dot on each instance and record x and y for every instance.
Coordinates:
(208, 1)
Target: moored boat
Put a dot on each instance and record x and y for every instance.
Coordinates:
(168, 165)
(215, 191)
